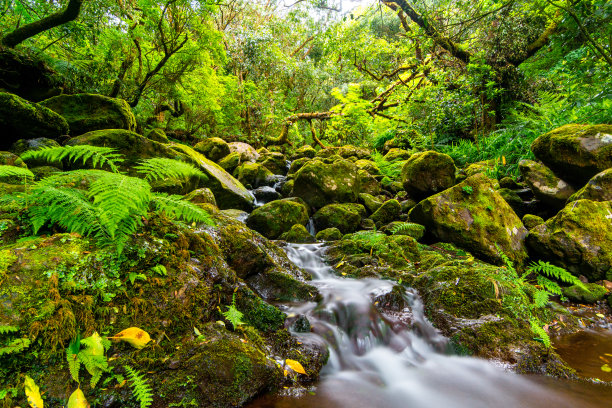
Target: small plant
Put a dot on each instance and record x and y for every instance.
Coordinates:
(467, 190)
(12, 346)
(233, 315)
(140, 388)
(92, 357)
(407, 228)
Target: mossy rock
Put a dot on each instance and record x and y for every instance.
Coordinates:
(20, 119)
(277, 217)
(473, 216)
(253, 174)
(531, 221)
(427, 173)
(345, 152)
(599, 188)
(287, 188)
(202, 196)
(509, 182)
(546, 186)
(319, 183)
(591, 293)
(298, 234)
(368, 183)
(28, 75)
(158, 135)
(345, 217)
(369, 166)
(576, 152)
(397, 154)
(246, 151)
(230, 162)
(370, 202)
(514, 200)
(23, 145)
(305, 151)
(578, 238)
(275, 162)
(214, 148)
(10, 159)
(87, 112)
(297, 164)
(329, 234)
(479, 167)
(389, 211)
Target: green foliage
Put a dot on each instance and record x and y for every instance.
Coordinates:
(92, 357)
(161, 168)
(409, 227)
(391, 169)
(94, 156)
(8, 329)
(467, 190)
(177, 207)
(140, 388)
(12, 171)
(233, 315)
(13, 346)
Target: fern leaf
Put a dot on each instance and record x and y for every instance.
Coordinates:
(233, 315)
(8, 329)
(74, 364)
(15, 346)
(99, 156)
(177, 207)
(539, 331)
(540, 298)
(12, 171)
(162, 168)
(548, 285)
(140, 389)
(408, 228)
(555, 272)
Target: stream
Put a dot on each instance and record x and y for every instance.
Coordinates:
(397, 359)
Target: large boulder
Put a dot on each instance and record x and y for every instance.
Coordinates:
(253, 174)
(345, 217)
(20, 119)
(274, 161)
(304, 151)
(578, 238)
(389, 211)
(546, 186)
(277, 217)
(214, 148)
(576, 152)
(475, 217)
(246, 151)
(345, 152)
(397, 154)
(28, 76)
(319, 183)
(599, 188)
(87, 112)
(427, 173)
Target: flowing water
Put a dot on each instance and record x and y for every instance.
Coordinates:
(397, 359)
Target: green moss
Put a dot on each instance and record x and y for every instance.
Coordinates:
(599, 188)
(345, 217)
(214, 148)
(319, 183)
(297, 234)
(261, 315)
(329, 234)
(253, 174)
(230, 162)
(389, 211)
(531, 221)
(277, 217)
(428, 172)
(593, 293)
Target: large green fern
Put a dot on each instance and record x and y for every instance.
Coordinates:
(176, 206)
(95, 156)
(14, 171)
(161, 168)
(141, 390)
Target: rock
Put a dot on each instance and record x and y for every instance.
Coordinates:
(230, 162)
(275, 162)
(41, 172)
(411, 229)
(202, 196)
(229, 192)
(576, 152)
(509, 182)
(531, 221)
(397, 154)
(345, 217)
(407, 205)
(329, 234)
(389, 211)
(10, 159)
(28, 76)
(253, 174)
(265, 194)
(370, 202)
(304, 151)
(427, 173)
(277, 217)
(599, 188)
(546, 187)
(214, 148)
(345, 152)
(578, 238)
(87, 112)
(319, 183)
(298, 234)
(20, 119)
(246, 151)
(479, 167)
(367, 183)
(158, 135)
(369, 166)
(513, 200)
(593, 293)
(287, 188)
(475, 217)
(23, 145)
(297, 164)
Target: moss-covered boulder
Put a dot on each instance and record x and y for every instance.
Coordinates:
(11, 159)
(304, 151)
(298, 234)
(576, 152)
(20, 119)
(397, 154)
(329, 234)
(546, 186)
(277, 217)
(578, 238)
(599, 188)
(389, 211)
(484, 166)
(202, 196)
(345, 152)
(370, 202)
(345, 217)
(531, 221)
(588, 294)
(275, 162)
(319, 183)
(230, 162)
(253, 174)
(158, 135)
(368, 183)
(246, 151)
(214, 148)
(87, 112)
(427, 173)
(369, 166)
(297, 164)
(475, 217)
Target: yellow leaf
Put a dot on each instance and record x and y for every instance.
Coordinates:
(137, 337)
(600, 315)
(77, 400)
(33, 393)
(295, 366)
(285, 373)
(504, 160)
(606, 368)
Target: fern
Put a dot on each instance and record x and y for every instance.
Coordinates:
(15, 346)
(537, 329)
(555, 272)
(548, 285)
(141, 390)
(408, 228)
(391, 169)
(72, 357)
(161, 168)
(97, 156)
(12, 171)
(233, 315)
(177, 207)
(540, 298)
(8, 329)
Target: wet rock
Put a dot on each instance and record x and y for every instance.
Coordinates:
(576, 152)
(230, 162)
(319, 183)
(599, 188)
(578, 238)
(531, 221)
(253, 174)
(427, 173)
(297, 164)
(287, 188)
(546, 187)
(329, 234)
(158, 135)
(275, 162)
(367, 183)
(246, 151)
(589, 294)
(345, 217)
(266, 194)
(298, 234)
(475, 217)
(214, 148)
(304, 151)
(20, 119)
(87, 112)
(389, 211)
(277, 217)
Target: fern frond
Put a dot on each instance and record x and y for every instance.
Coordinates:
(409, 228)
(549, 286)
(233, 315)
(509, 264)
(539, 331)
(98, 156)
(8, 329)
(15, 346)
(540, 298)
(176, 206)
(162, 168)
(72, 357)
(95, 365)
(555, 272)
(140, 389)
(12, 171)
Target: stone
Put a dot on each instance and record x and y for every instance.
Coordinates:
(345, 152)
(304, 151)
(275, 162)
(253, 174)
(576, 152)
(319, 183)
(397, 154)
(513, 200)
(298, 234)
(578, 238)
(369, 166)
(28, 76)
(23, 145)
(277, 217)
(297, 164)
(246, 151)
(20, 119)
(473, 216)
(367, 183)
(509, 182)
(389, 211)
(427, 173)
(599, 188)
(589, 294)
(214, 148)
(479, 167)
(345, 217)
(546, 186)
(531, 221)
(158, 135)
(202, 196)
(329, 234)
(370, 202)
(87, 112)
(230, 162)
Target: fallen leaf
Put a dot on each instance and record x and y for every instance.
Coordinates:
(32, 392)
(606, 368)
(295, 366)
(77, 400)
(137, 337)
(600, 315)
